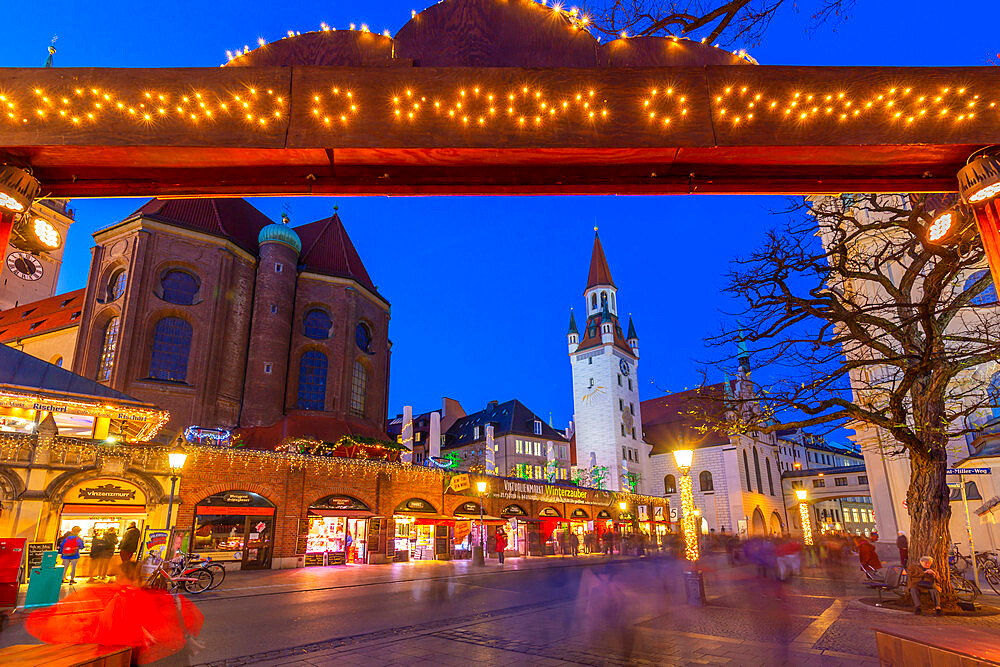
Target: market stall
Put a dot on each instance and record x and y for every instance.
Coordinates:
(235, 527)
(337, 531)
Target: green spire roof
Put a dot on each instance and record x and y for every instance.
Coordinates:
(631, 329)
(275, 233)
(572, 324)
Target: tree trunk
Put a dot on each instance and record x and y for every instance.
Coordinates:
(927, 500)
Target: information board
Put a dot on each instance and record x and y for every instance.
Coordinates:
(34, 556)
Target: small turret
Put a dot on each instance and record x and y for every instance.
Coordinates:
(633, 337)
(573, 336)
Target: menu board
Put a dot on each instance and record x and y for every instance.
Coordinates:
(315, 559)
(34, 557)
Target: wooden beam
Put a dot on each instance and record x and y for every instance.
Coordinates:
(416, 130)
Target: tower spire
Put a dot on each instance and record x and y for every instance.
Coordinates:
(600, 274)
(572, 324)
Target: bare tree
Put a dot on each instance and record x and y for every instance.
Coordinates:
(725, 21)
(851, 315)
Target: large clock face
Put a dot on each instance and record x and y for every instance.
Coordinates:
(24, 265)
(622, 364)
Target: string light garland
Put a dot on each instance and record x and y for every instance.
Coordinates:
(689, 522)
(149, 421)
(84, 106)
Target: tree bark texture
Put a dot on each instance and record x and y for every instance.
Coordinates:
(928, 504)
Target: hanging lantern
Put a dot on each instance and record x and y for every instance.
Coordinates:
(979, 186)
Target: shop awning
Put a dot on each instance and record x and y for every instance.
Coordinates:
(487, 519)
(432, 520)
(355, 514)
(109, 510)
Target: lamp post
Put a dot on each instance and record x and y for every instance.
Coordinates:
(622, 506)
(479, 552)
(175, 458)
(807, 535)
(694, 583)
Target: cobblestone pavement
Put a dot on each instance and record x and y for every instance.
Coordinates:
(633, 614)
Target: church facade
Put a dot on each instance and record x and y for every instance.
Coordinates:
(605, 363)
(210, 310)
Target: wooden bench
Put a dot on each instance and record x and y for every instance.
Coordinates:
(916, 646)
(65, 655)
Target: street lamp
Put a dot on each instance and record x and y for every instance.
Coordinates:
(807, 535)
(480, 556)
(694, 584)
(175, 459)
(979, 187)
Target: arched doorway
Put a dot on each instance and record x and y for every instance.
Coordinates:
(776, 526)
(757, 525)
(235, 526)
(337, 531)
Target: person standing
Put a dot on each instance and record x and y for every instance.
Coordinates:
(574, 544)
(110, 539)
(70, 546)
(98, 553)
(130, 542)
(501, 541)
(904, 548)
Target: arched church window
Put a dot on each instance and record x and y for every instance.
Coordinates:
(316, 324)
(171, 348)
(770, 479)
(359, 389)
(312, 380)
(746, 469)
(593, 300)
(109, 345)
(116, 284)
(669, 484)
(756, 469)
(705, 481)
(363, 338)
(179, 287)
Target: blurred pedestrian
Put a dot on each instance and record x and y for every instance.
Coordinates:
(925, 580)
(130, 542)
(69, 546)
(903, 545)
(574, 544)
(99, 556)
(866, 553)
(501, 541)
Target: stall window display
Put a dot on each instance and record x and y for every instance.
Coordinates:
(235, 526)
(413, 542)
(346, 537)
(94, 525)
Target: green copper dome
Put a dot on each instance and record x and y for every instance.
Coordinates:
(275, 233)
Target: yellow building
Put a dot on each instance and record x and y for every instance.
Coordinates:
(75, 453)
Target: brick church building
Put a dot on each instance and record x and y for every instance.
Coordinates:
(210, 310)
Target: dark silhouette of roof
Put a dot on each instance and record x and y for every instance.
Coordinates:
(327, 249)
(507, 418)
(600, 274)
(20, 371)
(42, 316)
(668, 425)
(230, 218)
(631, 329)
(572, 324)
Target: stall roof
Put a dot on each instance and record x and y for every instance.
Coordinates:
(22, 372)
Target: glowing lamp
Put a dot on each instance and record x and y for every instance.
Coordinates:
(482, 487)
(45, 232)
(17, 188)
(176, 458)
(622, 505)
(941, 225)
(979, 180)
(801, 494)
(683, 459)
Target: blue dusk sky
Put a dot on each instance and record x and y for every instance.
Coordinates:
(481, 288)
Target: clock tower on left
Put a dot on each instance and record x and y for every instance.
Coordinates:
(33, 256)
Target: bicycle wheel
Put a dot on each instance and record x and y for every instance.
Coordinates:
(964, 589)
(218, 571)
(202, 580)
(992, 574)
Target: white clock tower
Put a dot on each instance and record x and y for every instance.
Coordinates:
(606, 387)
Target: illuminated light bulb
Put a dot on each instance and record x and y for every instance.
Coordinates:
(146, 116)
(385, 33)
(722, 112)
(352, 26)
(666, 121)
(857, 111)
(774, 104)
(522, 119)
(843, 116)
(437, 104)
(961, 91)
(343, 118)
(413, 13)
(261, 41)
(410, 114)
(749, 116)
(354, 108)
(475, 90)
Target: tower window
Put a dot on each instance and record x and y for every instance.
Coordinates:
(359, 389)
(593, 300)
(116, 285)
(312, 380)
(630, 384)
(179, 287)
(623, 428)
(317, 324)
(619, 379)
(108, 347)
(590, 360)
(278, 267)
(631, 408)
(621, 405)
(538, 427)
(363, 338)
(267, 369)
(274, 309)
(171, 349)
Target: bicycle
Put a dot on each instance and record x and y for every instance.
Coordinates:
(986, 561)
(965, 589)
(170, 576)
(218, 570)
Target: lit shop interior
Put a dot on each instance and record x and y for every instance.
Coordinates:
(338, 531)
(235, 527)
(421, 533)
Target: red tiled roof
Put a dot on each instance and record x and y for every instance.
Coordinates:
(43, 316)
(587, 341)
(600, 274)
(231, 218)
(668, 426)
(327, 249)
(325, 428)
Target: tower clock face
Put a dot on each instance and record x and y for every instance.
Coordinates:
(623, 365)
(24, 265)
